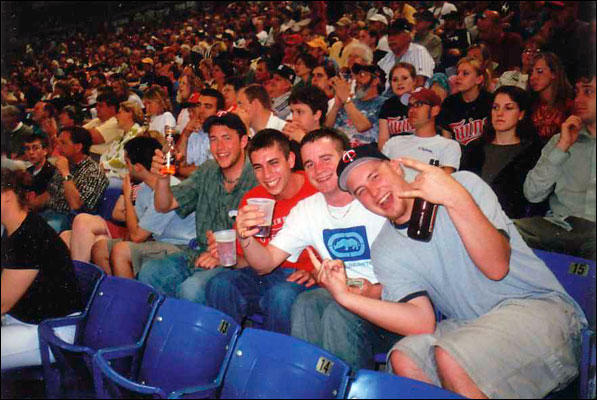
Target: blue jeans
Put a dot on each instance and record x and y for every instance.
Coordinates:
(242, 292)
(175, 276)
(318, 319)
(58, 221)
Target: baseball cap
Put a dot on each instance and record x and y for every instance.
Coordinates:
(193, 100)
(294, 39)
(373, 69)
(426, 15)
(423, 95)
(318, 42)
(285, 72)
(379, 18)
(344, 21)
(147, 60)
(353, 158)
(400, 25)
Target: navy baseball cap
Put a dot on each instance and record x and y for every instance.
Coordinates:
(353, 158)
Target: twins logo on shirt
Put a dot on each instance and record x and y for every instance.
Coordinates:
(465, 133)
(397, 125)
(348, 244)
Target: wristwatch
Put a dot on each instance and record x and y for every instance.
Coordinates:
(68, 177)
(348, 99)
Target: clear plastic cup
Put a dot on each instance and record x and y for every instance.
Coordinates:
(267, 206)
(226, 243)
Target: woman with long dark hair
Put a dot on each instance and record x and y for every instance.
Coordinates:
(507, 151)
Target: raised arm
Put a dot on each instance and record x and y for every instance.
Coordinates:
(163, 198)
(486, 246)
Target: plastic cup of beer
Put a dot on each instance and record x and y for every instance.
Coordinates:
(226, 243)
(267, 206)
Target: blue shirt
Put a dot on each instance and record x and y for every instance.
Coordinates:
(443, 269)
(168, 227)
(370, 109)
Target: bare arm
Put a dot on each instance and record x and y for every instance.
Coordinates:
(118, 212)
(330, 118)
(384, 134)
(39, 201)
(14, 285)
(360, 121)
(136, 233)
(486, 246)
(96, 136)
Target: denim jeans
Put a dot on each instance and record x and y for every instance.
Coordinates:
(318, 319)
(57, 221)
(175, 276)
(242, 292)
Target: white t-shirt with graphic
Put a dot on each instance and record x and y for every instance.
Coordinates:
(344, 233)
(447, 151)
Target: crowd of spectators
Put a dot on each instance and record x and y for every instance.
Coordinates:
(267, 99)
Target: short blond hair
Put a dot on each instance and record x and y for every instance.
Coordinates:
(132, 107)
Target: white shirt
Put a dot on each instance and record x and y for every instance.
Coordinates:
(383, 45)
(183, 119)
(159, 122)
(272, 123)
(344, 233)
(447, 151)
(416, 55)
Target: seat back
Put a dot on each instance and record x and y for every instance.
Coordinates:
(377, 385)
(188, 345)
(89, 277)
(120, 313)
(271, 365)
(577, 276)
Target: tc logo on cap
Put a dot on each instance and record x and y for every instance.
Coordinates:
(349, 156)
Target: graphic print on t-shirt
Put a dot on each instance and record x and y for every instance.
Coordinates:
(399, 125)
(347, 244)
(464, 132)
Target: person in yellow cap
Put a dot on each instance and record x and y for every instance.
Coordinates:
(318, 48)
(343, 34)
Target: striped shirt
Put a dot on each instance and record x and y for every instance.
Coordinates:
(416, 55)
(204, 193)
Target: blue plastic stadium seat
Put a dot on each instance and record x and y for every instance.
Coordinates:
(271, 365)
(186, 353)
(108, 202)
(378, 385)
(88, 277)
(120, 314)
(577, 276)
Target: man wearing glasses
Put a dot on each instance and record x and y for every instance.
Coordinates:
(423, 107)
(36, 150)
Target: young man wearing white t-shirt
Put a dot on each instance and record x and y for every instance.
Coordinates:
(423, 108)
(336, 226)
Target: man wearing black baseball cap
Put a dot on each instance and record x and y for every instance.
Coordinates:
(476, 270)
(403, 50)
(279, 90)
(424, 35)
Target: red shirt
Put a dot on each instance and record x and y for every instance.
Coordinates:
(281, 211)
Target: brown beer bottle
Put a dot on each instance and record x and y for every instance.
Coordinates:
(422, 219)
(169, 156)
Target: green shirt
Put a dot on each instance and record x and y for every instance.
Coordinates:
(204, 193)
(568, 178)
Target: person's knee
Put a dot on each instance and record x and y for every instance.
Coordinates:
(402, 364)
(220, 286)
(445, 364)
(149, 270)
(120, 251)
(83, 222)
(283, 294)
(193, 288)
